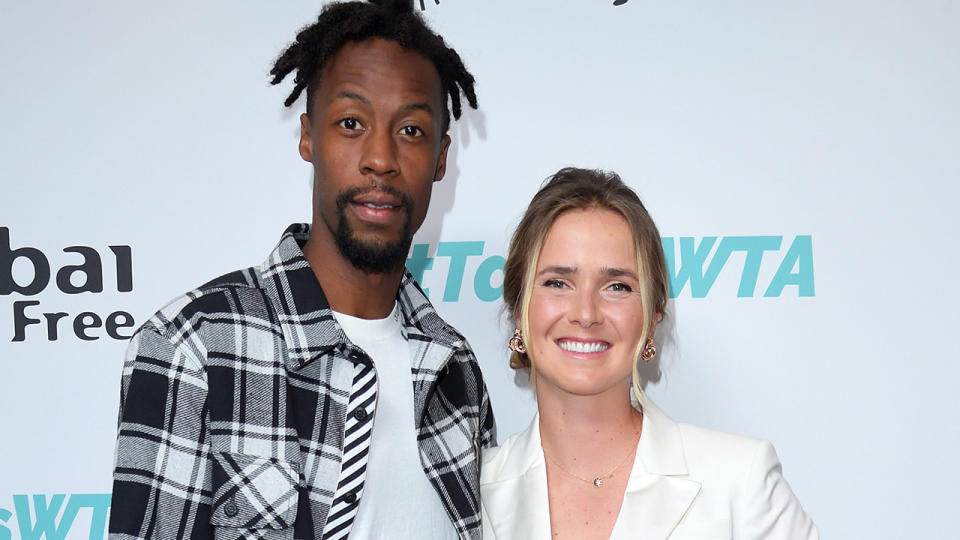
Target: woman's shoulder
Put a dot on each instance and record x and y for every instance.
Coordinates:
(712, 440)
(702, 452)
(496, 455)
(719, 454)
(512, 457)
(746, 470)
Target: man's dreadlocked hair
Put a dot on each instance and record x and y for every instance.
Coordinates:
(393, 20)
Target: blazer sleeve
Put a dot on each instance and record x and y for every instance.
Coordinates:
(768, 508)
(161, 476)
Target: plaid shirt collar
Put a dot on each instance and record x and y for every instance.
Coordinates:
(305, 317)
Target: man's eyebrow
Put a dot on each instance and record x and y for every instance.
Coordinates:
(618, 272)
(344, 94)
(562, 270)
(415, 106)
(418, 106)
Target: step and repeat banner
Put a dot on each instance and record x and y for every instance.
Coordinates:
(800, 159)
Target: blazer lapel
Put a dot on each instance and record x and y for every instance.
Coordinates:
(658, 493)
(514, 484)
(654, 504)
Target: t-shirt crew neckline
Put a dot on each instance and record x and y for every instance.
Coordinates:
(375, 329)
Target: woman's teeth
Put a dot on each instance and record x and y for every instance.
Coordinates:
(583, 346)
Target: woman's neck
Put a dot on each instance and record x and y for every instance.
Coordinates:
(579, 429)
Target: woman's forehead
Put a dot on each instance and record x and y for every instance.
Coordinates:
(594, 240)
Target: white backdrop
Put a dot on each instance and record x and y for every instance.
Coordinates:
(151, 125)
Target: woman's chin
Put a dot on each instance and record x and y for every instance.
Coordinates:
(584, 387)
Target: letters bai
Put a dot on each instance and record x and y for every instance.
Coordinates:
(85, 277)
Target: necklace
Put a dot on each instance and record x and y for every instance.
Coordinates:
(598, 481)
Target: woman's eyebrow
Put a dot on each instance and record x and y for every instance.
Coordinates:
(618, 272)
(562, 270)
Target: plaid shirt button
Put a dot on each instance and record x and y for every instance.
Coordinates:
(360, 415)
(230, 509)
(350, 497)
(356, 356)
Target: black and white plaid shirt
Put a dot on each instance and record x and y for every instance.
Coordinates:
(244, 407)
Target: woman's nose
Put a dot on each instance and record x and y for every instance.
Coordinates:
(585, 309)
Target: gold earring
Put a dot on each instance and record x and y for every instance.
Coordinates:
(649, 351)
(516, 342)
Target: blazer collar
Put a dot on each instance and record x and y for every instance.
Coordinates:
(660, 448)
(659, 491)
(513, 483)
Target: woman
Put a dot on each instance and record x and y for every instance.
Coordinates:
(586, 283)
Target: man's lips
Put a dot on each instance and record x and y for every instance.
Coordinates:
(376, 207)
(378, 200)
(583, 346)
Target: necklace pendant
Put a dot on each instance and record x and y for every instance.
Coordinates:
(598, 482)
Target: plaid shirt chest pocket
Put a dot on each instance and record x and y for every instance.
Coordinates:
(253, 495)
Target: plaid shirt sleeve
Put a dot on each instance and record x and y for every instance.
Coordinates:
(161, 480)
(488, 426)
(460, 404)
(487, 433)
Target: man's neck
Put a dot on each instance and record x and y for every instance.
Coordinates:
(349, 290)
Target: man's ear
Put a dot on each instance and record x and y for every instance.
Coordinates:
(441, 160)
(306, 141)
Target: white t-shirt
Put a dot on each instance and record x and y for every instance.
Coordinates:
(398, 500)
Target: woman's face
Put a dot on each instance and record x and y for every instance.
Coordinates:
(585, 312)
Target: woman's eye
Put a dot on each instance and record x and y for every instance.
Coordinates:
(554, 284)
(621, 287)
(411, 131)
(349, 124)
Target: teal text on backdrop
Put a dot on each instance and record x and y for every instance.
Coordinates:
(700, 263)
(43, 522)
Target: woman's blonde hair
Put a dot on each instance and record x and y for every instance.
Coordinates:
(581, 189)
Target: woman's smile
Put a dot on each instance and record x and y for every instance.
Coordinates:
(581, 346)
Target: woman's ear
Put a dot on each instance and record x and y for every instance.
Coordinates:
(657, 317)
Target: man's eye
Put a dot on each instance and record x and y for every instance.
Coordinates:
(411, 131)
(349, 124)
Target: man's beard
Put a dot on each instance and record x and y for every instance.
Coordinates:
(372, 257)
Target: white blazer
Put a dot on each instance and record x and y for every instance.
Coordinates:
(686, 483)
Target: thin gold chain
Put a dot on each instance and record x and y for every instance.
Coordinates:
(598, 481)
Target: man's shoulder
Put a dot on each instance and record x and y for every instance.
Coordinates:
(420, 312)
(235, 293)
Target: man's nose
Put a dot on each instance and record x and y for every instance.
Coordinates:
(379, 156)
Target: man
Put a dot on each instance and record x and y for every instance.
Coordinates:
(319, 395)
